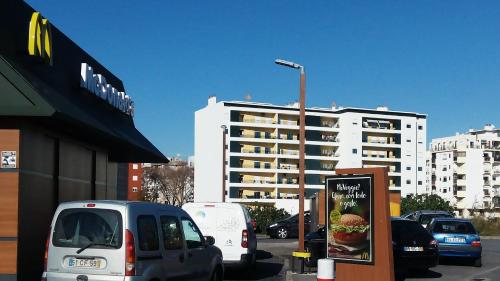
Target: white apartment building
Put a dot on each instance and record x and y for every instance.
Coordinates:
(262, 150)
(465, 170)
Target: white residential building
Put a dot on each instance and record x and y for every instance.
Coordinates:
(262, 150)
(465, 170)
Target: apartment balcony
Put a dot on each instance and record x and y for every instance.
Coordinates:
(258, 135)
(461, 194)
(460, 170)
(288, 166)
(259, 181)
(262, 166)
(461, 182)
(487, 183)
(289, 122)
(257, 120)
(259, 151)
(329, 124)
(460, 160)
(330, 138)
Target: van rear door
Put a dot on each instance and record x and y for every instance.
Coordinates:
(87, 241)
(229, 228)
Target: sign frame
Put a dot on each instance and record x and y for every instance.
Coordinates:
(328, 198)
(8, 153)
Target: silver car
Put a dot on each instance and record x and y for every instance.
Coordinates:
(123, 240)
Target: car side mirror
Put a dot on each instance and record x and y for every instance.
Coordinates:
(209, 240)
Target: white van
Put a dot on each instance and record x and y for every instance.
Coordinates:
(230, 224)
(124, 240)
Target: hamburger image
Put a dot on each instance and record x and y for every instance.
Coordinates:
(349, 230)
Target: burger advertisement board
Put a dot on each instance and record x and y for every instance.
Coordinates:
(349, 218)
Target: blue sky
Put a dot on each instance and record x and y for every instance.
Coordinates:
(440, 58)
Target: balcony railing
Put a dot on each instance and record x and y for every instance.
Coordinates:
(289, 122)
(259, 120)
(329, 138)
(262, 151)
(289, 180)
(329, 124)
(261, 136)
(288, 152)
(260, 166)
(259, 181)
(289, 167)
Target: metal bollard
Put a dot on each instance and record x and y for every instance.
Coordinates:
(326, 270)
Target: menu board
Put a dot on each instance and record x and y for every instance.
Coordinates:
(349, 218)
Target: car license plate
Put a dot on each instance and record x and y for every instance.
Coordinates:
(84, 263)
(454, 240)
(413, 249)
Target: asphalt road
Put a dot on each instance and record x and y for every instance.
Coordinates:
(271, 264)
(460, 270)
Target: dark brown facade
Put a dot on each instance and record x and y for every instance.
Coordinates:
(58, 141)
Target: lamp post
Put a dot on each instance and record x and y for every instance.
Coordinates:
(302, 137)
(224, 128)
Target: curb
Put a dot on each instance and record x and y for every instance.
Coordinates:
(490, 237)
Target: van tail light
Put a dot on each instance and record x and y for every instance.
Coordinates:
(244, 238)
(433, 243)
(46, 255)
(476, 244)
(129, 253)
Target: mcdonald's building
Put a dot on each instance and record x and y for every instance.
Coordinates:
(66, 133)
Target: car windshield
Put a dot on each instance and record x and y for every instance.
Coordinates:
(77, 228)
(453, 227)
(426, 218)
(406, 230)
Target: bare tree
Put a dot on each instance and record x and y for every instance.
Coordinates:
(169, 184)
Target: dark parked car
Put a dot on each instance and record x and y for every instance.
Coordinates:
(424, 217)
(412, 245)
(456, 238)
(288, 227)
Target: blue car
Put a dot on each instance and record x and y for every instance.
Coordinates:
(456, 238)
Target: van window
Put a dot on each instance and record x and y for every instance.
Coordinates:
(76, 228)
(148, 233)
(191, 234)
(171, 230)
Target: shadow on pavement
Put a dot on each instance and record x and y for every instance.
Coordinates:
(418, 274)
(266, 267)
(262, 255)
(456, 261)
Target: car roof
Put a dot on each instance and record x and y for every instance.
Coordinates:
(451, 219)
(433, 212)
(400, 219)
(121, 203)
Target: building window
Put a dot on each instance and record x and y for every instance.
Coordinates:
(134, 189)
(408, 140)
(420, 127)
(257, 149)
(135, 166)
(134, 178)
(354, 151)
(420, 169)
(408, 181)
(267, 165)
(419, 182)
(256, 165)
(257, 135)
(408, 168)
(408, 126)
(267, 150)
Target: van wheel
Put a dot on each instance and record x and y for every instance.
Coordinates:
(282, 233)
(217, 275)
(477, 262)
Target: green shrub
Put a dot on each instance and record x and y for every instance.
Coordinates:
(265, 215)
(487, 227)
(424, 202)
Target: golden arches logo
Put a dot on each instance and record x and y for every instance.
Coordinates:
(40, 38)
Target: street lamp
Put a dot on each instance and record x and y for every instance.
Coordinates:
(302, 137)
(224, 128)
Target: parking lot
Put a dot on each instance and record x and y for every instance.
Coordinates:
(271, 264)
